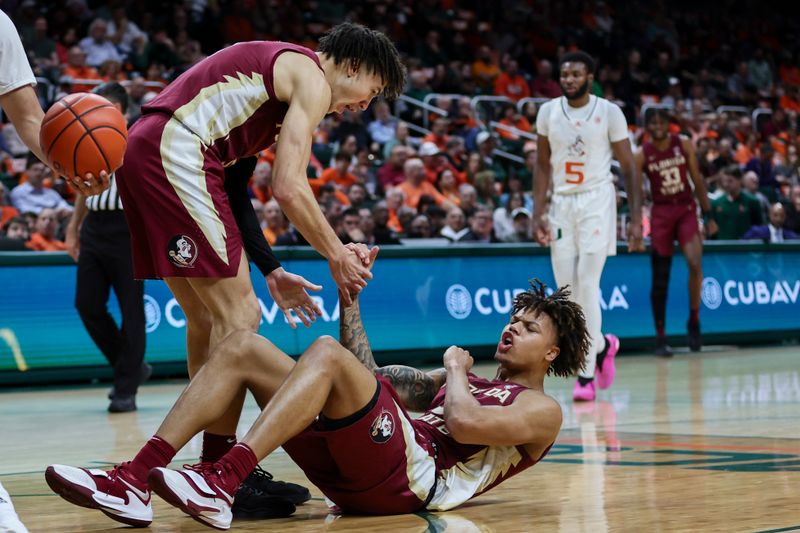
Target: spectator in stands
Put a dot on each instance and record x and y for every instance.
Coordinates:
(790, 101)
(759, 73)
(418, 90)
(275, 223)
(480, 226)
(725, 155)
(793, 210)
(513, 119)
(42, 48)
(15, 234)
(111, 70)
(485, 143)
(511, 84)
(503, 218)
(420, 227)
(98, 46)
(415, 185)
(736, 211)
(32, 196)
(381, 130)
(543, 85)
(438, 134)
(44, 238)
(468, 198)
(136, 92)
(395, 198)
(122, 31)
(391, 172)
(76, 69)
(7, 212)
(401, 138)
(750, 184)
(485, 70)
(430, 51)
(485, 187)
(448, 186)
(350, 230)
(763, 167)
(382, 233)
(521, 219)
(338, 175)
(357, 196)
(456, 153)
(455, 228)
(405, 215)
(790, 166)
(261, 184)
(775, 230)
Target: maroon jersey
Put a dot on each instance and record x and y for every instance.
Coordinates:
(228, 99)
(466, 470)
(668, 173)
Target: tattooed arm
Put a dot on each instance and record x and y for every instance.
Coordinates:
(352, 335)
(415, 387)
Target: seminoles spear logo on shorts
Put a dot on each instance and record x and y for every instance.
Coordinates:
(182, 251)
(382, 428)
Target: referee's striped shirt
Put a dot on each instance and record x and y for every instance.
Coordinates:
(108, 200)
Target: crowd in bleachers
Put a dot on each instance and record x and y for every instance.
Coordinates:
(454, 159)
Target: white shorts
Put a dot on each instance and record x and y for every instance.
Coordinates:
(585, 222)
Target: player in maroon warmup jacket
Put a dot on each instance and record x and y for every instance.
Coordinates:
(344, 421)
(668, 161)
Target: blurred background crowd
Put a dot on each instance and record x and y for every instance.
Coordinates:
(453, 160)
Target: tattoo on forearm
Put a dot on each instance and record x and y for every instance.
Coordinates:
(416, 388)
(353, 337)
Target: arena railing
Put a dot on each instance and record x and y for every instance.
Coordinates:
(511, 129)
(405, 100)
(476, 102)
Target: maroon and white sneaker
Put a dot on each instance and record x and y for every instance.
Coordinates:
(203, 491)
(116, 493)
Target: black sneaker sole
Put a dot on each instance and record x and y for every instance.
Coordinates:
(269, 507)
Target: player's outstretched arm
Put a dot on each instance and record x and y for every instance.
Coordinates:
(532, 419)
(415, 387)
(299, 82)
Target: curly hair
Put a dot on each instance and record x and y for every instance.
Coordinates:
(368, 48)
(567, 316)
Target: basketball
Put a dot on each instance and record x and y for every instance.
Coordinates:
(83, 133)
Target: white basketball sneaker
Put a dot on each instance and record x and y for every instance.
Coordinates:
(203, 491)
(116, 493)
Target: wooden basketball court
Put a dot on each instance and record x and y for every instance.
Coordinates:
(702, 442)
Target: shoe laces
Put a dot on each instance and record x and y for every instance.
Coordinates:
(261, 474)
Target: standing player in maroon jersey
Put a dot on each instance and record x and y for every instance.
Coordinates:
(183, 215)
(344, 422)
(668, 161)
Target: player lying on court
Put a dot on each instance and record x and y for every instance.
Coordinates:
(344, 421)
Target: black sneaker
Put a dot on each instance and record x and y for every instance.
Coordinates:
(122, 404)
(663, 349)
(694, 337)
(261, 481)
(252, 503)
(144, 374)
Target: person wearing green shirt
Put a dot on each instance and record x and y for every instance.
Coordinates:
(736, 211)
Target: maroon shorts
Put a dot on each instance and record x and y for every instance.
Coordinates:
(178, 212)
(671, 222)
(373, 462)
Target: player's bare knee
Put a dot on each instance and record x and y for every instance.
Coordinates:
(325, 353)
(234, 348)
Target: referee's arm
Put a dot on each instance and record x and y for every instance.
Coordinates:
(73, 239)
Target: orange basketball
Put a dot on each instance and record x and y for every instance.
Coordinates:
(84, 133)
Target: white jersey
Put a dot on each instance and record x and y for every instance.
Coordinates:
(580, 142)
(15, 71)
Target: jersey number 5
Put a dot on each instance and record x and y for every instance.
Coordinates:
(574, 173)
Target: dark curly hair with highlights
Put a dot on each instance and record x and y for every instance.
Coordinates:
(567, 316)
(369, 49)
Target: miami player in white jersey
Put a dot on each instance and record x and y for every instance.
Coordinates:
(578, 136)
